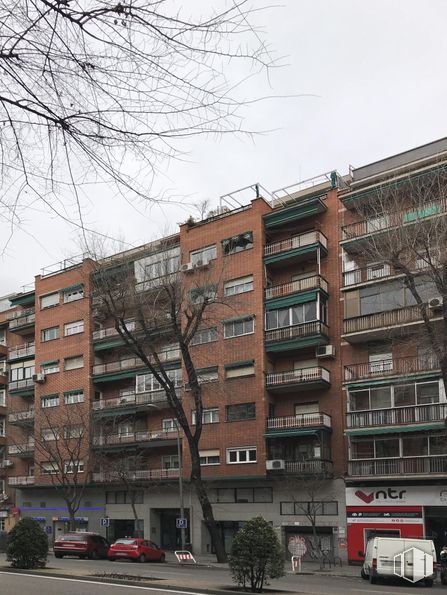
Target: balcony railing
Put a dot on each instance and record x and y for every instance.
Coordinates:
(306, 284)
(21, 480)
(397, 416)
(104, 333)
(368, 322)
(19, 416)
(21, 449)
(157, 397)
(302, 420)
(21, 384)
(299, 241)
(297, 331)
(365, 274)
(21, 351)
(311, 467)
(394, 467)
(133, 362)
(391, 220)
(390, 367)
(145, 474)
(298, 376)
(133, 437)
(22, 318)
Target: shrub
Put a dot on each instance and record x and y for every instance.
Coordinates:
(27, 545)
(256, 555)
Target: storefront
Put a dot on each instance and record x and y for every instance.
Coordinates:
(401, 511)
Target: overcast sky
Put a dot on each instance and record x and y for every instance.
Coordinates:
(375, 73)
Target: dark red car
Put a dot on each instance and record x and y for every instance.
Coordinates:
(81, 544)
(135, 548)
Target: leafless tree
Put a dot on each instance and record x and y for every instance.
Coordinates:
(157, 312)
(97, 91)
(402, 229)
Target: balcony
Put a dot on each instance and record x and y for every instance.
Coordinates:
(23, 321)
(22, 450)
(373, 468)
(297, 336)
(367, 274)
(298, 379)
(135, 437)
(21, 351)
(21, 480)
(3, 372)
(21, 417)
(26, 385)
(295, 247)
(304, 420)
(372, 326)
(389, 368)
(396, 416)
(143, 475)
(122, 367)
(105, 333)
(130, 399)
(306, 284)
(314, 467)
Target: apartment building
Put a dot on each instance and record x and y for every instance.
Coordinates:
(393, 236)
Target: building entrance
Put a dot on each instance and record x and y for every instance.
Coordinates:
(436, 525)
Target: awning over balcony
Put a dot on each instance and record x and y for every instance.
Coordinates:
(115, 412)
(394, 429)
(292, 300)
(291, 432)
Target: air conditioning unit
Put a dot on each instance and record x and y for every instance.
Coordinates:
(201, 264)
(186, 268)
(325, 351)
(276, 465)
(435, 303)
(39, 378)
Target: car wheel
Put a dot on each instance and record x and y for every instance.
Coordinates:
(162, 558)
(142, 558)
(428, 582)
(58, 556)
(363, 575)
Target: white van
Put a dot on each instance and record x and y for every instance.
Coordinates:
(387, 557)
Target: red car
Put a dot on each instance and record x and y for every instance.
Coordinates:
(81, 544)
(135, 548)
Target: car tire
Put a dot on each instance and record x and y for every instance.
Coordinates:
(142, 558)
(58, 556)
(363, 575)
(428, 582)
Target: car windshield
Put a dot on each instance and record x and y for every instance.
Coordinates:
(72, 538)
(126, 542)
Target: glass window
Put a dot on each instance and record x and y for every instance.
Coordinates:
(236, 286)
(287, 508)
(263, 494)
(74, 466)
(428, 392)
(237, 328)
(50, 300)
(169, 425)
(50, 368)
(48, 468)
(72, 363)
(74, 328)
(380, 398)
(203, 256)
(77, 293)
(75, 431)
(362, 449)
(240, 412)
(199, 295)
(206, 335)
(386, 447)
(414, 446)
(240, 371)
(238, 243)
(404, 395)
(209, 416)
(74, 397)
(208, 375)
(48, 334)
(437, 445)
(226, 495)
(170, 462)
(209, 457)
(244, 495)
(241, 455)
(50, 401)
(49, 433)
(359, 400)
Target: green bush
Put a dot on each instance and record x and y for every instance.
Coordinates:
(27, 545)
(256, 555)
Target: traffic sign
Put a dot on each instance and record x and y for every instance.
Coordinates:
(105, 522)
(181, 523)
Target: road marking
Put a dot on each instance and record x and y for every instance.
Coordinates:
(88, 582)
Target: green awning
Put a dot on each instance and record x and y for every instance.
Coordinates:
(72, 287)
(294, 252)
(242, 364)
(108, 344)
(115, 412)
(392, 379)
(297, 343)
(292, 300)
(291, 432)
(394, 429)
(239, 318)
(299, 210)
(23, 299)
(49, 362)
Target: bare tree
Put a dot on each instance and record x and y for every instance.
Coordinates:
(402, 231)
(157, 312)
(98, 91)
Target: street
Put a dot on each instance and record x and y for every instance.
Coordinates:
(175, 579)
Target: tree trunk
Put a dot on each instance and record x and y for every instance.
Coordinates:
(317, 546)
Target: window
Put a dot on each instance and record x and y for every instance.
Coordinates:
(199, 295)
(242, 495)
(206, 335)
(239, 369)
(2, 336)
(73, 328)
(50, 401)
(169, 425)
(48, 468)
(209, 457)
(74, 467)
(302, 508)
(21, 372)
(161, 268)
(377, 270)
(50, 434)
(241, 455)
(241, 285)
(400, 395)
(2, 524)
(122, 497)
(204, 255)
(239, 327)
(205, 375)
(170, 462)
(50, 367)
(148, 383)
(2, 397)
(2, 426)
(75, 431)
(73, 294)
(297, 314)
(241, 412)
(50, 300)
(209, 416)
(49, 334)
(238, 243)
(74, 396)
(73, 363)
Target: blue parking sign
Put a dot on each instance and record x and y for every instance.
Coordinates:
(105, 522)
(181, 523)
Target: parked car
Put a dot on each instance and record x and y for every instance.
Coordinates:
(387, 557)
(81, 544)
(136, 549)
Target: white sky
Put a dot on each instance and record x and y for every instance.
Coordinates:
(378, 72)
